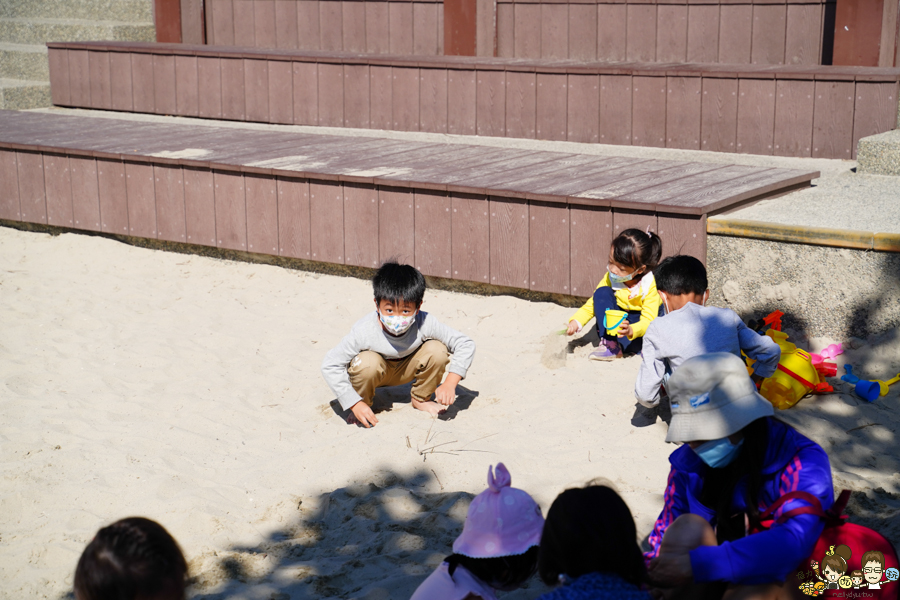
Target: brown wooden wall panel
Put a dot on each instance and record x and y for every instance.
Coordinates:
(381, 98)
(509, 242)
(121, 90)
(552, 92)
(671, 32)
(554, 30)
(169, 189)
(58, 60)
(306, 93)
(326, 221)
(262, 214)
(113, 196)
(100, 82)
(756, 116)
(286, 32)
(590, 236)
(471, 229)
(581, 40)
(548, 240)
(649, 112)
(233, 96)
(356, 96)
(803, 34)
(58, 186)
(394, 239)
(187, 86)
(293, 218)
(718, 108)
(199, 206)
(490, 104)
(703, 33)
(85, 193)
(281, 92)
(432, 233)
(612, 27)
(583, 109)
(425, 29)
(521, 99)
(209, 77)
(244, 23)
(264, 27)
(167, 20)
(683, 107)
(256, 90)
(506, 42)
(615, 109)
(331, 95)
(857, 32)
(32, 193)
(433, 100)
(192, 29)
(633, 219)
(378, 39)
(139, 188)
(222, 16)
(768, 37)
(875, 110)
(406, 98)
(164, 100)
(682, 234)
(527, 30)
(461, 102)
(400, 15)
(353, 23)
(833, 122)
(794, 104)
(361, 225)
(9, 187)
(735, 37)
(79, 78)
(231, 211)
(308, 37)
(640, 32)
(142, 82)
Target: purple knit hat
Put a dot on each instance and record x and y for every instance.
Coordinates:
(502, 520)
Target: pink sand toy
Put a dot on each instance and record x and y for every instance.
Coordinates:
(826, 354)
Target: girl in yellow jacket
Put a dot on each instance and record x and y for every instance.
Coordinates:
(627, 286)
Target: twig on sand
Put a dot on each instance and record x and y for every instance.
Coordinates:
(408, 445)
(862, 427)
(438, 480)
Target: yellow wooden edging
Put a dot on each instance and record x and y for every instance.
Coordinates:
(815, 236)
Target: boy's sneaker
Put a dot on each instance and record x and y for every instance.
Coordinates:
(608, 350)
(643, 416)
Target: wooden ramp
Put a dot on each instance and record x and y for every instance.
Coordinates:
(509, 217)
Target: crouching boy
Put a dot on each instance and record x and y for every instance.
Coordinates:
(396, 344)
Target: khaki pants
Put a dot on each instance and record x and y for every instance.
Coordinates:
(425, 368)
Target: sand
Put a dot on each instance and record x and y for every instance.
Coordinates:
(187, 389)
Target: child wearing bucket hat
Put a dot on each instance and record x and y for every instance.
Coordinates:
(497, 549)
(736, 459)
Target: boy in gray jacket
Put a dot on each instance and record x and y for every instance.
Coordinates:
(396, 344)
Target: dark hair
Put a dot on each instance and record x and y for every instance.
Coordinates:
(838, 561)
(681, 274)
(501, 572)
(131, 558)
(590, 530)
(395, 282)
(635, 248)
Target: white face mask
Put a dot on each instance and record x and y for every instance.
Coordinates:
(397, 324)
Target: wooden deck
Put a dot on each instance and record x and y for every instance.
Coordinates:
(509, 217)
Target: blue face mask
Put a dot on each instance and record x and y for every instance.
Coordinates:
(718, 453)
(621, 278)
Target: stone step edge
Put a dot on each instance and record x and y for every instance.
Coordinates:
(799, 234)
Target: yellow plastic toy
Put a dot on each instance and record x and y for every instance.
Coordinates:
(612, 319)
(795, 377)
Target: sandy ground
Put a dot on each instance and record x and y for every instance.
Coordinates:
(187, 389)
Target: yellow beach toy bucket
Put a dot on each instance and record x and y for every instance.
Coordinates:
(612, 319)
(794, 378)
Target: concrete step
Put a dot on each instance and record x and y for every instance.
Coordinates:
(24, 61)
(38, 31)
(135, 11)
(18, 94)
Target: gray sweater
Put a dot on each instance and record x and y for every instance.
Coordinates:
(367, 334)
(693, 330)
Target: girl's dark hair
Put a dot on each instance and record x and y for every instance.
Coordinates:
(635, 248)
(590, 530)
(395, 282)
(501, 572)
(131, 558)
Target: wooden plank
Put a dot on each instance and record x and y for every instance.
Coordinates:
(9, 187)
(405, 92)
(432, 233)
(671, 32)
(306, 93)
(756, 116)
(857, 32)
(527, 30)
(664, 178)
(356, 96)
(361, 225)
(703, 33)
(590, 236)
(231, 211)
(582, 36)
(32, 193)
(233, 101)
(735, 33)
(58, 187)
(58, 60)
(244, 23)
(209, 78)
(326, 218)
(425, 29)
(554, 31)
(164, 100)
(101, 85)
(262, 214)
(331, 95)
(615, 109)
(121, 91)
(683, 110)
(353, 20)
(192, 30)
(281, 92)
(396, 226)
(747, 182)
(549, 254)
(490, 111)
(199, 206)
(611, 170)
(583, 108)
(85, 193)
(506, 37)
(287, 36)
(803, 37)
(139, 187)
(378, 39)
(521, 102)
(875, 110)
(293, 218)
(400, 15)
(187, 90)
(612, 27)
(768, 41)
(649, 112)
(113, 196)
(641, 32)
(433, 100)
(461, 102)
(794, 103)
(169, 190)
(510, 246)
(833, 121)
(308, 35)
(889, 48)
(222, 33)
(718, 115)
(683, 234)
(167, 21)
(623, 219)
(381, 81)
(265, 31)
(471, 231)
(552, 95)
(79, 78)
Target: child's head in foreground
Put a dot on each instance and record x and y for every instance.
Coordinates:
(681, 279)
(399, 290)
(132, 559)
(633, 254)
(590, 530)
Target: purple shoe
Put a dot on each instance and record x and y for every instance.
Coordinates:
(608, 350)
